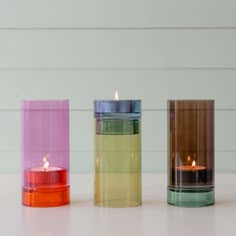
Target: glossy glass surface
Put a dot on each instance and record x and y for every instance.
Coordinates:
(191, 152)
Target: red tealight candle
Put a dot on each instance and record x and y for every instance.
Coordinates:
(46, 175)
(38, 176)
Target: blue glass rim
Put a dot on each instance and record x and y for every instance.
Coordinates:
(116, 107)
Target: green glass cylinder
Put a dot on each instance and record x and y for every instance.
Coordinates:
(117, 156)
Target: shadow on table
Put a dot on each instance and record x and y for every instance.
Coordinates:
(81, 201)
(154, 203)
(226, 202)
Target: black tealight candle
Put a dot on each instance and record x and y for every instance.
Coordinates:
(188, 175)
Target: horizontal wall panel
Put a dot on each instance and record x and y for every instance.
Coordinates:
(112, 13)
(154, 131)
(151, 162)
(118, 49)
(153, 87)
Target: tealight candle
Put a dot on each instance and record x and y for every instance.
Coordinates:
(117, 153)
(45, 153)
(190, 174)
(45, 176)
(191, 152)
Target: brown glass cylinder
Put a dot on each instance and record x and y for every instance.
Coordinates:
(191, 152)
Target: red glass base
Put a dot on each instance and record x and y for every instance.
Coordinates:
(46, 196)
(45, 188)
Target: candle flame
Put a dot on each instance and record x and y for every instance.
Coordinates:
(46, 163)
(193, 164)
(116, 95)
(189, 158)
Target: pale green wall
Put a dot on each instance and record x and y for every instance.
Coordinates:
(150, 49)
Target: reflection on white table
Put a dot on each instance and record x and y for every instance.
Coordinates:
(154, 217)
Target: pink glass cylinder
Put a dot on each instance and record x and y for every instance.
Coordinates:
(45, 153)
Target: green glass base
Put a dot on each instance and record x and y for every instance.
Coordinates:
(191, 197)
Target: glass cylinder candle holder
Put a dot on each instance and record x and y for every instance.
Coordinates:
(117, 153)
(45, 153)
(191, 153)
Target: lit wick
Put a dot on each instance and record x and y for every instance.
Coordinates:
(189, 158)
(193, 164)
(46, 163)
(116, 95)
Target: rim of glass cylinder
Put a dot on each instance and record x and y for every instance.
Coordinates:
(117, 108)
(190, 104)
(45, 105)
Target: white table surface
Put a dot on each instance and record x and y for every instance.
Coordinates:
(154, 217)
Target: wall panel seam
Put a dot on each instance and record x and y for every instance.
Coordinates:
(117, 28)
(117, 69)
